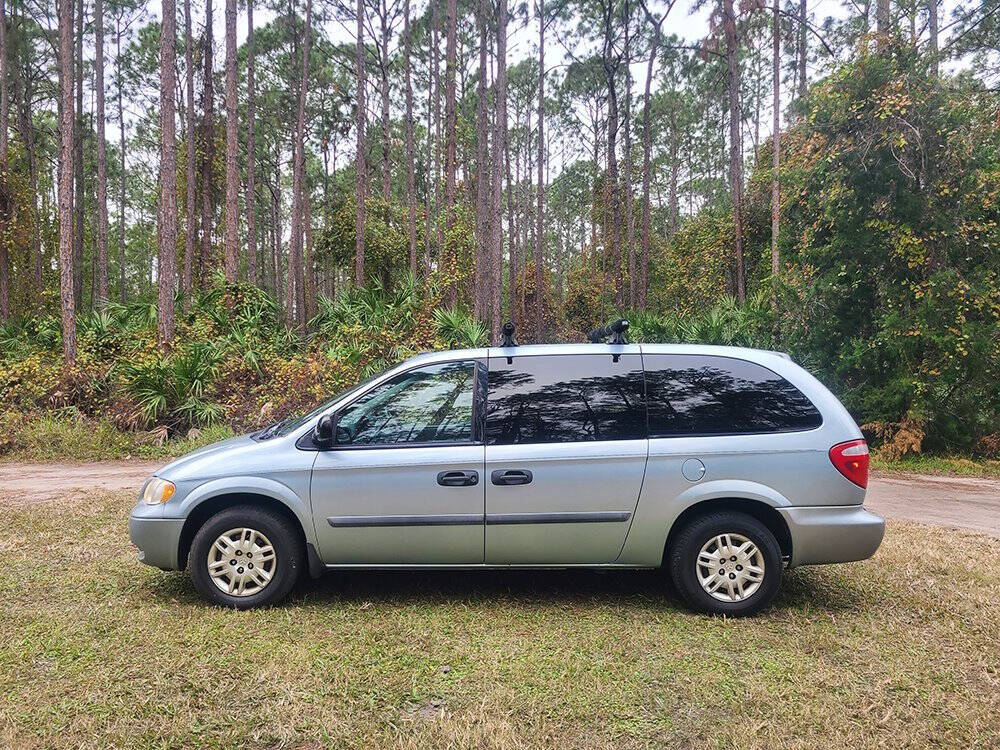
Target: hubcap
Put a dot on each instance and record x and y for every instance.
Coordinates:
(730, 567)
(241, 562)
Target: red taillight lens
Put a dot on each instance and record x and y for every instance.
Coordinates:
(851, 460)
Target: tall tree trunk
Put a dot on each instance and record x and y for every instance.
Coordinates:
(932, 28)
(359, 219)
(436, 64)
(512, 264)
(231, 262)
(121, 162)
(190, 192)
(79, 193)
(410, 186)
(279, 289)
(251, 186)
(627, 181)
(386, 122)
(4, 108)
(208, 151)
(882, 21)
(450, 148)
(611, 181)
(102, 158)
(776, 150)
(66, 122)
(481, 286)
(310, 266)
(803, 46)
(647, 160)
(27, 130)
(500, 164)
(431, 140)
(540, 211)
(167, 257)
(296, 276)
(735, 150)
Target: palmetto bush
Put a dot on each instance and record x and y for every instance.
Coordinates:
(368, 309)
(171, 390)
(725, 323)
(21, 336)
(458, 329)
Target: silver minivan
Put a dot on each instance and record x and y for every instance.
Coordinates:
(723, 465)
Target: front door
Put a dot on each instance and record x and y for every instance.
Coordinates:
(403, 484)
(565, 456)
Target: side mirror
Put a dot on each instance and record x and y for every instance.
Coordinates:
(326, 428)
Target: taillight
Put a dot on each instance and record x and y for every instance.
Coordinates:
(851, 460)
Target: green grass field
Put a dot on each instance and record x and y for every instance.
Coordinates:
(97, 650)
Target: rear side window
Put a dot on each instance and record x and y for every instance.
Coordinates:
(565, 398)
(705, 395)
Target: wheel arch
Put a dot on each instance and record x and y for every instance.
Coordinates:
(207, 506)
(758, 509)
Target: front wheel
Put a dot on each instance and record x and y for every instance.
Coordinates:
(245, 557)
(726, 563)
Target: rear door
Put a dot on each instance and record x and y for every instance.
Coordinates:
(565, 456)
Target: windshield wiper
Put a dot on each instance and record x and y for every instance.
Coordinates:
(269, 431)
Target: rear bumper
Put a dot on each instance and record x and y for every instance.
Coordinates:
(832, 534)
(157, 540)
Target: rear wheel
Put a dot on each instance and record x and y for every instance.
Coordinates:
(726, 563)
(245, 557)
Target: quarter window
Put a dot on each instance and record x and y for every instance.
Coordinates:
(706, 395)
(566, 398)
(431, 404)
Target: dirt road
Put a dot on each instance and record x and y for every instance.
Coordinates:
(956, 502)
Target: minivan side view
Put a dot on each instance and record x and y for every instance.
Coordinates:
(723, 465)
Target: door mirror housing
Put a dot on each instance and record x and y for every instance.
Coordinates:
(326, 430)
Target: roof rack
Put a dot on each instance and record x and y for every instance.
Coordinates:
(507, 335)
(616, 331)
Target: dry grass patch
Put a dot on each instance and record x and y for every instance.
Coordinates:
(96, 650)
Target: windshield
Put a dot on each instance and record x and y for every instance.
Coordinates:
(292, 423)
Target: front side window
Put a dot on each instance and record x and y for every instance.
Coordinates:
(432, 404)
(565, 398)
(709, 395)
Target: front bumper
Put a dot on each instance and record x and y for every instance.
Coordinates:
(157, 539)
(832, 534)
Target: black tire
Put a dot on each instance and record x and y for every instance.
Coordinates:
(683, 562)
(288, 562)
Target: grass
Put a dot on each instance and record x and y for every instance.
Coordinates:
(55, 438)
(941, 465)
(97, 650)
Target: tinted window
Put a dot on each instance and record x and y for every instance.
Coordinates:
(694, 395)
(555, 399)
(427, 405)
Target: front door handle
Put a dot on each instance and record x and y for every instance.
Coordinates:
(458, 478)
(506, 478)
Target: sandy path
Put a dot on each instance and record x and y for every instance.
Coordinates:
(29, 483)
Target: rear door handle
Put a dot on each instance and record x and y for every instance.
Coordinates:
(458, 478)
(506, 478)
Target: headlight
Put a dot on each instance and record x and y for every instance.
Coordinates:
(157, 491)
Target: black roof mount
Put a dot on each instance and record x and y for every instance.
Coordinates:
(507, 335)
(616, 331)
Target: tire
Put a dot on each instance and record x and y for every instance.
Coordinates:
(240, 581)
(739, 589)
